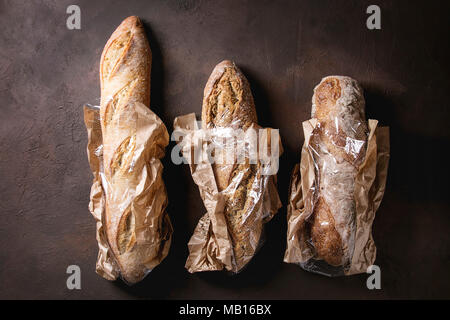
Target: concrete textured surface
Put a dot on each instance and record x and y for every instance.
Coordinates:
(48, 72)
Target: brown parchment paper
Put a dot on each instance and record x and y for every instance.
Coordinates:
(147, 196)
(369, 190)
(211, 247)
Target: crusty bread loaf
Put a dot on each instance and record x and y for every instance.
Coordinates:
(125, 79)
(228, 103)
(338, 145)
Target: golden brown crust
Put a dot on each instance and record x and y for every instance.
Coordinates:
(326, 95)
(327, 241)
(125, 66)
(228, 103)
(126, 235)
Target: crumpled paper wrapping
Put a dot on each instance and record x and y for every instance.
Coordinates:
(211, 246)
(146, 197)
(369, 190)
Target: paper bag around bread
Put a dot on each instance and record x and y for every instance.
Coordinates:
(369, 190)
(211, 246)
(147, 198)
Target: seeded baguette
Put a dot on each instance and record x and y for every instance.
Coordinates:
(228, 103)
(125, 68)
(338, 106)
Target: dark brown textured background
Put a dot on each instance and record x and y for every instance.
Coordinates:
(47, 72)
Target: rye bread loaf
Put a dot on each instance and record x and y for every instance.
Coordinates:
(228, 103)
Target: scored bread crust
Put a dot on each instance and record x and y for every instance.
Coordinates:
(227, 83)
(338, 146)
(228, 103)
(125, 68)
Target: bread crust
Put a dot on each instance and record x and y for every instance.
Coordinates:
(125, 68)
(228, 103)
(126, 57)
(338, 145)
(235, 104)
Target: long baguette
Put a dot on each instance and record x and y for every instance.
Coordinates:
(125, 79)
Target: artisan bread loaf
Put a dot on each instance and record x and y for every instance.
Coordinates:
(125, 79)
(228, 103)
(338, 145)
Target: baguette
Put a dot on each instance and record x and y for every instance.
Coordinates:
(228, 103)
(338, 146)
(125, 79)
